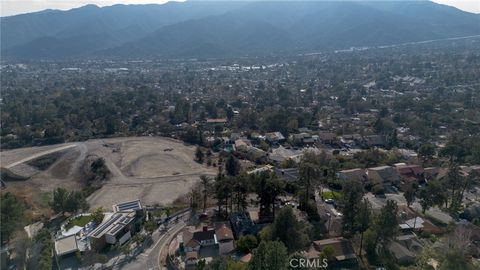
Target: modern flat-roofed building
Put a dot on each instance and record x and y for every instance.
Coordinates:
(66, 245)
(135, 206)
(118, 228)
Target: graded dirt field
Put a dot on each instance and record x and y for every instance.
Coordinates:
(154, 169)
(144, 159)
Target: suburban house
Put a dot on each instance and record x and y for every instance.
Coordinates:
(343, 254)
(225, 238)
(215, 123)
(194, 240)
(242, 145)
(205, 237)
(409, 173)
(357, 175)
(242, 224)
(415, 223)
(471, 212)
(409, 155)
(326, 137)
(301, 139)
(435, 173)
(274, 137)
(405, 248)
(254, 153)
(281, 153)
(374, 141)
(383, 174)
(351, 140)
(201, 243)
(187, 241)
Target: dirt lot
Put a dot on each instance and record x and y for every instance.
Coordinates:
(142, 159)
(156, 170)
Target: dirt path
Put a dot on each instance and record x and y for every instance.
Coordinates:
(153, 169)
(37, 155)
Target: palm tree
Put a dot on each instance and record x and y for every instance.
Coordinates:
(363, 221)
(205, 181)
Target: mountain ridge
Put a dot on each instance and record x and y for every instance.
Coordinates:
(222, 29)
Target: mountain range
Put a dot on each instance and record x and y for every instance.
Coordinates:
(221, 29)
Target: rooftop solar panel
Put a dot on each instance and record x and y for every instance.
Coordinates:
(100, 229)
(134, 205)
(115, 229)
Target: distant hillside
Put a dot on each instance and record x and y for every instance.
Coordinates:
(81, 31)
(215, 29)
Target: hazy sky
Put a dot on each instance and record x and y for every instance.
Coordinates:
(12, 7)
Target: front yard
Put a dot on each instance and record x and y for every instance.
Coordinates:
(78, 221)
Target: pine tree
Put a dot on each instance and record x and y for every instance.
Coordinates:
(199, 155)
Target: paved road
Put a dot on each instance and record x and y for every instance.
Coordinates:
(151, 258)
(155, 259)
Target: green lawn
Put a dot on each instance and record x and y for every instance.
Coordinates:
(331, 195)
(78, 221)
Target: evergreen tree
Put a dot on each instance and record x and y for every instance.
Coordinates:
(223, 191)
(268, 188)
(12, 210)
(308, 175)
(386, 226)
(352, 193)
(426, 151)
(199, 156)
(240, 189)
(60, 197)
(393, 139)
(232, 166)
(410, 193)
(287, 229)
(270, 255)
(97, 216)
